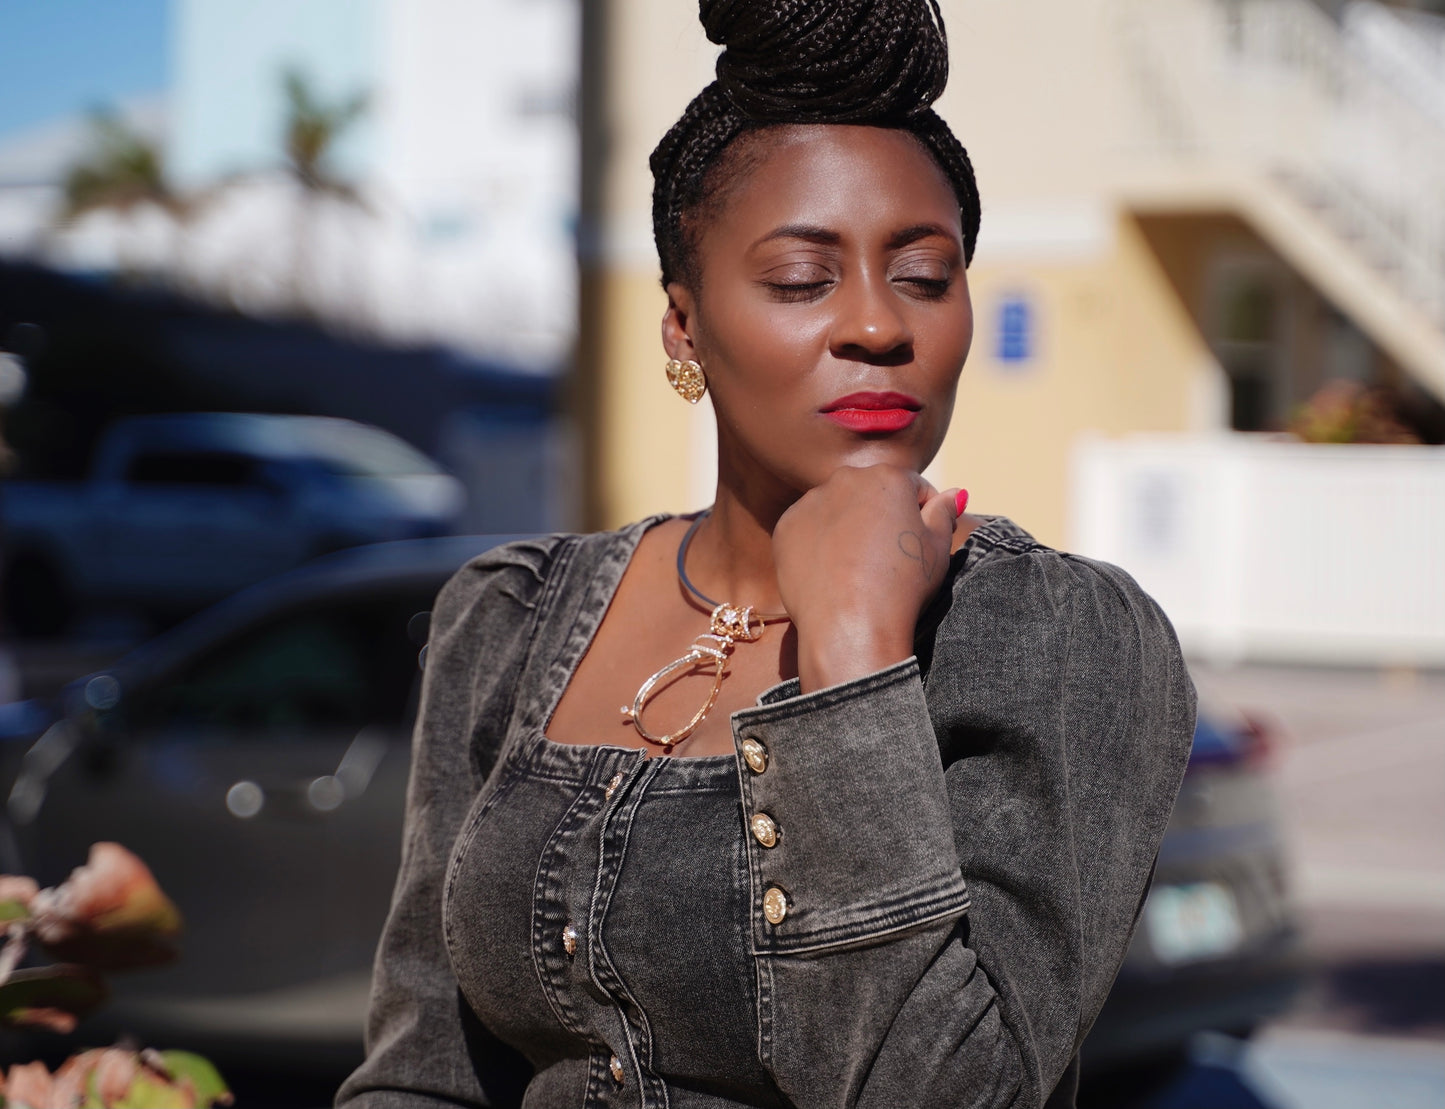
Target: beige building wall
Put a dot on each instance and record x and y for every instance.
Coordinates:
(1034, 97)
(1116, 352)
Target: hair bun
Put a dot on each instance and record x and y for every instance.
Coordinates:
(828, 61)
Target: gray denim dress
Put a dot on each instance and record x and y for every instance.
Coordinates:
(963, 844)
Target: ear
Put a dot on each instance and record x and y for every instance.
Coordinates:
(677, 324)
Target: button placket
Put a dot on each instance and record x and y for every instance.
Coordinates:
(561, 897)
(632, 1021)
(764, 829)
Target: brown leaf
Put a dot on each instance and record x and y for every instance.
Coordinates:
(17, 887)
(114, 1073)
(109, 913)
(55, 1020)
(70, 1079)
(29, 1086)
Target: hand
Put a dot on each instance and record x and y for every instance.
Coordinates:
(858, 558)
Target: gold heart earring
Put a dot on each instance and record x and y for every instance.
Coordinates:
(687, 379)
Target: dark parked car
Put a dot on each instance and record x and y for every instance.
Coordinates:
(256, 758)
(1217, 947)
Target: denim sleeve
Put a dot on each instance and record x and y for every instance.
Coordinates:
(425, 1046)
(959, 863)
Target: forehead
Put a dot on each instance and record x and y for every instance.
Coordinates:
(840, 176)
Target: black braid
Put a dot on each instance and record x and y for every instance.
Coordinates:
(879, 62)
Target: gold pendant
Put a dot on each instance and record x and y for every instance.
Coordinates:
(730, 624)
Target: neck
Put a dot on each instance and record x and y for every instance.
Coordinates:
(731, 557)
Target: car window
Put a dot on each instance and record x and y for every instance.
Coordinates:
(350, 450)
(342, 665)
(192, 468)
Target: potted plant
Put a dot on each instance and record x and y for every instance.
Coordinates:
(108, 915)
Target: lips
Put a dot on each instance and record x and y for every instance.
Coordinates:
(873, 413)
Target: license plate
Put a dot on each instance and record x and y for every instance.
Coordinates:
(1188, 923)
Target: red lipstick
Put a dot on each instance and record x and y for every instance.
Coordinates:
(873, 413)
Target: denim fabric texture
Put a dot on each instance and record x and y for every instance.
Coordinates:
(965, 841)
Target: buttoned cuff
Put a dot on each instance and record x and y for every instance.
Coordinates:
(849, 832)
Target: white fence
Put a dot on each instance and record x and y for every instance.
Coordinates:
(1271, 550)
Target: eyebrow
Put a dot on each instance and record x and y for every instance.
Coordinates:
(805, 231)
(826, 237)
(899, 239)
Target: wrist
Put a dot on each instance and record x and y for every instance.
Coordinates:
(840, 656)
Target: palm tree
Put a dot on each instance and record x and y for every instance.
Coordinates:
(122, 171)
(313, 127)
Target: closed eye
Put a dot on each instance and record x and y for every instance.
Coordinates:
(797, 291)
(930, 288)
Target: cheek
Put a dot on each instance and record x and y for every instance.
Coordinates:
(952, 339)
(764, 347)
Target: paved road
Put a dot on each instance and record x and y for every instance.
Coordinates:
(1361, 779)
(1295, 1070)
(1360, 775)
(1361, 783)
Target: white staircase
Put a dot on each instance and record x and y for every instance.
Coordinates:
(1329, 138)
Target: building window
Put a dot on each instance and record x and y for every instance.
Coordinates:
(1247, 342)
(1015, 329)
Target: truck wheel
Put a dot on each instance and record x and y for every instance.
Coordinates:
(37, 604)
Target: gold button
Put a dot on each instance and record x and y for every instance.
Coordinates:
(569, 940)
(764, 829)
(756, 755)
(612, 785)
(615, 1066)
(775, 905)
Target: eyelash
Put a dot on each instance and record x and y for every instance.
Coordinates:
(792, 292)
(928, 288)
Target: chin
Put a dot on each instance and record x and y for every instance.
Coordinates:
(882, 450)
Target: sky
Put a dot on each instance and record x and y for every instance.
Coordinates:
(62, 57)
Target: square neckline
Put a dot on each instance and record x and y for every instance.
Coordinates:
(634, 534)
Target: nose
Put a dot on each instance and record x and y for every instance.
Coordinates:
(870, 325)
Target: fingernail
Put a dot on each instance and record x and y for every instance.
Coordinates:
(960, 501)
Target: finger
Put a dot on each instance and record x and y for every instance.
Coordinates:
(924, 488)
(957, 500)
(940, 512)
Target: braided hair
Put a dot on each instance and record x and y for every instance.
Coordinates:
(877, 62)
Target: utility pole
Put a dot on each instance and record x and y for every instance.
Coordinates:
(642, 61)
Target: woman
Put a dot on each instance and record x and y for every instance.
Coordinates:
(883, 845)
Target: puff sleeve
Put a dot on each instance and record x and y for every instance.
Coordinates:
(960, 857)
(424, 1044)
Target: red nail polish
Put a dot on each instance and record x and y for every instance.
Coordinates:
(960, 501)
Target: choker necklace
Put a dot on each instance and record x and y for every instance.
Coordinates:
(731, 624)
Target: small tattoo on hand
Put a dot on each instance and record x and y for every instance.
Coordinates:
(912, 544)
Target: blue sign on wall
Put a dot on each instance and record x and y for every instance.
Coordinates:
(1017, 336)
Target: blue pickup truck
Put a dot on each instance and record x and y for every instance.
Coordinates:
(181, 510)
